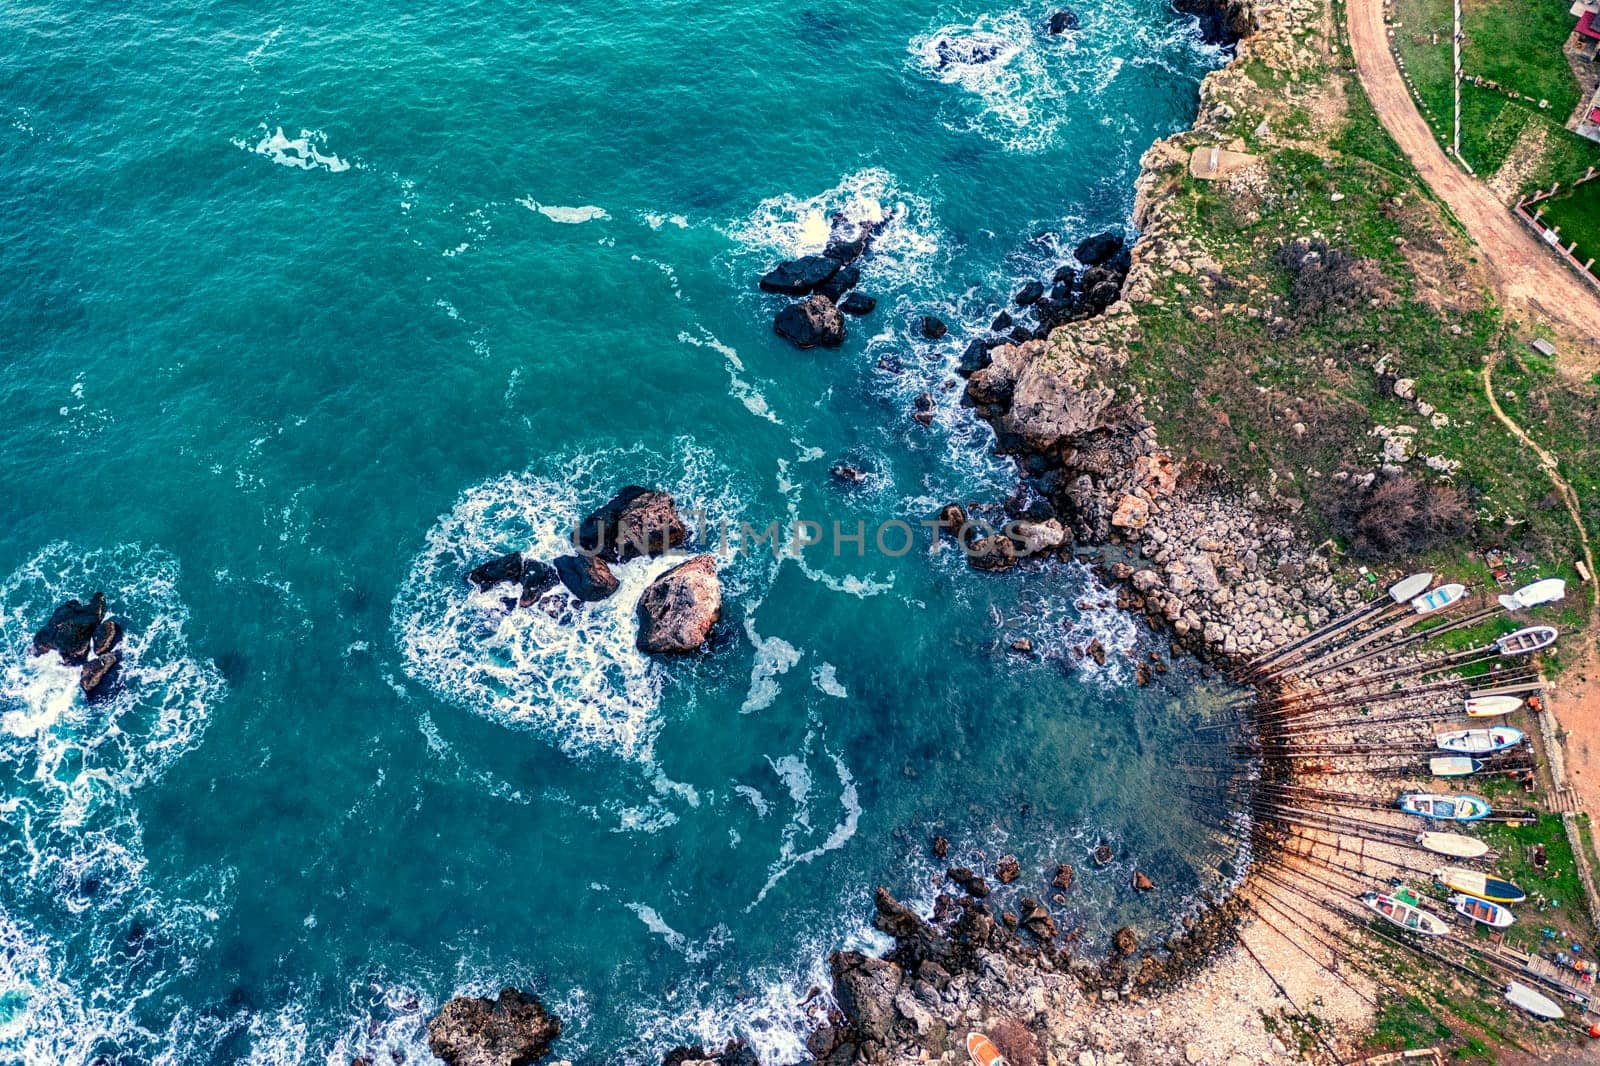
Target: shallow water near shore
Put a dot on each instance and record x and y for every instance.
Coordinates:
(309, 309)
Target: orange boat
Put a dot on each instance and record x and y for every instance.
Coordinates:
(983, 1051)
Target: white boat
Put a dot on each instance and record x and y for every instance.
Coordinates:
(1453, 765)
(1409, 588)
(1453, 844)
(1479, 741)
(1535, 1003)
(1440, 598)
(1549, 590)
(1492, 706)
(1482, 911)
(1405, 913)
(1526, 641)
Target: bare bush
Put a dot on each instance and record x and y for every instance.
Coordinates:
(1398, 515)
(1327, 279)
(1016, 1042)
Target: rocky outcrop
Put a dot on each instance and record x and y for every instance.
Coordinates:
(857, 303)
(95, 677)
(800, 277)
(636, 521)
(71, 629)
(1063, 20)
(107, 635)
(587, 577)
(513, 1030)
(679, 608)
(812, 323)
(497, 571)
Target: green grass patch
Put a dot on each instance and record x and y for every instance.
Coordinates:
(1577, 213)
(1555, 892)
(1409, 1023)
(1518, 44)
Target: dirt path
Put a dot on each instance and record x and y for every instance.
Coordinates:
(1526, 276)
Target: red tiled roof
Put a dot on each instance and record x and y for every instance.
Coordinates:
(1594, 115)
(1586, 26)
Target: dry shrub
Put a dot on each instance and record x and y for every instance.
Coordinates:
(1327, 279)
(1016, 1042)
(1398, 515)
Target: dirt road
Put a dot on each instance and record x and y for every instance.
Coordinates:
(1527, 276)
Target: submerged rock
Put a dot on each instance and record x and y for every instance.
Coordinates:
(940, 847)
(812, 323)
(71, 628)
(799, 277)
(96, 673)
(514, 1030)
(973, 50)
(857, 303)
(586, 577)
(678, 609)
(1062, 21)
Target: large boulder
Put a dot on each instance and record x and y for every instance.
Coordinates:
(842, 282)
(678, 609)
(798, 277)
(864, 988)
(514, 1030)
(537, 578)
(636, 521)
(857, 303)
(1063, 21)
(497, 571)
(1041, 395)
(811, 323)
(1099, 248)
(586, 576)
(107, 636)
(70, 630)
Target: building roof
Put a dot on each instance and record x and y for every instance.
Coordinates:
(1586, 27)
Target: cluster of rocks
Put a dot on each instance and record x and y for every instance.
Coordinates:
(676, 611)
(827, 283)
(514, 1029)
(83, 636)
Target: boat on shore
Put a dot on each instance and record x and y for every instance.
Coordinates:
(1444, 808)
(1402, 909)
(1482, 911)
(1527, 641)
(1453, 766)
(1492, 706)
(1549, 590)
(1409, 588)
(1453, 844)
(1440, 598)
(1478, 884)
(1480, 741)
(983, 1052)
(1535, 1003)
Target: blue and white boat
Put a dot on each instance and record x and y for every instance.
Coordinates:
(1444, 808)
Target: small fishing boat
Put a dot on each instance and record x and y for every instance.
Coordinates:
(1492, 706)
(1480, 741)
(1549, 590)
(1453, 766)
(1527, 641)
(1453, 844)
(1409, 588)
(983, 1051)
(1440, 598)
(1402, 910)
(1535, 1003)
(1481, 885)
(1444, 808)
(1481, 910)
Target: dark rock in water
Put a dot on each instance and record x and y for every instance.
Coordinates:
(992, 553)
(857, 303)
(1029, 293)
(850, 240)
(1101, 287)
(1121, 263)
(107, 636)
(1141, 883)
(1061, 291)
(1065, 273)
(1103, 854)
(1002, 322)
(864, 988)
(953, 523)
(96, 673)
(813, 323)
(941, 847)
(735, 1053)
(537, 579)
(1008, 869)
(1063, 878)
(1036, 919)
(70, 630)
(976, 357)
(974, 50)
(586, 576)
(847, 473)
(891, 364)
(514, 1030)
(496, 571)
(798, 277)
(933, 328)
(1020, 335)
(1063, 21)
(841, 283)
(1220, 23)
(924, 408)
(971, 883)
(678, 609)
(1124, 941)
(1097, 249)
(636, 521)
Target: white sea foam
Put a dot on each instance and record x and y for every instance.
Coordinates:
(567, 669)
(792, 770)
(774, 657)
(571, 216)
(757, 800)
(304, 152)
(656, 221)
(753, 399)
(909, 246)
(826, 678)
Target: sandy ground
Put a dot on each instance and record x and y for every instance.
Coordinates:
(1526, 275)
(1577, 708)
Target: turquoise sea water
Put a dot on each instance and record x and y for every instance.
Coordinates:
(306, 308)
